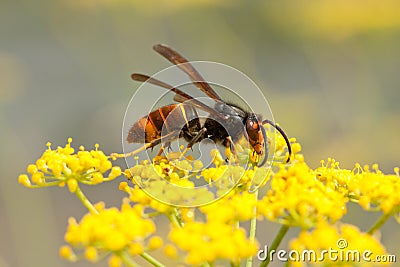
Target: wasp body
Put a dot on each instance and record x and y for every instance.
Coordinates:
(225, 123)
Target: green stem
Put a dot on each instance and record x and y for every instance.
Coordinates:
(379, 222)
(153, 214)
(178, 217)
(173, 217)
(85, 201)
(127, 260)
(206, 264)
(151, 260)
(47, 184)
(252, 231)
(278, 239)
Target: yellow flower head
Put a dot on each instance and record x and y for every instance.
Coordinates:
(351, 247)
(232, 208)
(63, 166)
(298, 198)
(185, 183)
(212, 241)
(209, 234)
(372, 189)
(112, 230)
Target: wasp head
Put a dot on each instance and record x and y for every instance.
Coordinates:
(254, 133)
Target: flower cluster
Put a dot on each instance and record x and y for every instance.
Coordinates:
(111, 231)
(63, 166)
(191, 184)
(230, 209)
(218, 230)
(352, 247)
(208, 207)
(298, 198)
(207, 242)
(368, 186)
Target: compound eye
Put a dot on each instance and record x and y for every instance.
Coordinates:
(252, 125)
(252, 130)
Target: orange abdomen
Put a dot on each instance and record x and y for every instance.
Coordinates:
(158, 123)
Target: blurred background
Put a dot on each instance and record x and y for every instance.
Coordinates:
(330, 71)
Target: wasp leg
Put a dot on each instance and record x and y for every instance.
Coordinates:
(167, 146)
(233, 148)
(193, 141)
(162, 148)
(167, 138)
(124, 155)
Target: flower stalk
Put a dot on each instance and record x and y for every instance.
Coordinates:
(85, 201)
(127, 260)
(252, 231)
(275, 243)
(151, 260)
(379, 223)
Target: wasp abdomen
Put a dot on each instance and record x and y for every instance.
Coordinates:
(180, 118)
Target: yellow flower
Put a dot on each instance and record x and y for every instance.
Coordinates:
(298, 198)
(170, 251)
(155, 242)
(372, 189)
(162, 182)
(212, 241)
(91, 254)
(232, 208)
(114, 261)
(67, 253)
(63, 166)
(112, 230)
(347, 240)
(136, 249)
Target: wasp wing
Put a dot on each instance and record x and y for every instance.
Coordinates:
(180, 95)
(182, 63)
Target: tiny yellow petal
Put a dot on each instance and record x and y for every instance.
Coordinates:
(72, 185)
(115, 172)
(364, 202)
(170, 251)
(31, 168)
(114, 261)
(100, 205)
(296, 147)
(37, 178)
(123, 186)
(155, 242)
(136, 249)
(67, 253)
(91, 254)
(24, 180)
(97, 178)
(116, 241)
